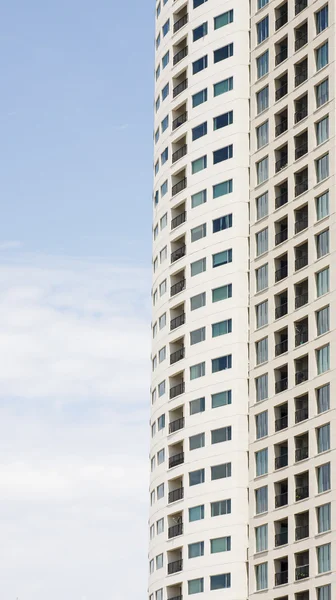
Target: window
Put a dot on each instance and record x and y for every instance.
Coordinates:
(222, 154)
(261, 538)
(223, 53)
(223, 19)
(323, 438)
(322, 282)
(321, 56)
(197, 301)
(159, 594)
(221, 87)
(324, 517)
(154, 396)
(199, 131)
(198, 165)
(200, 64)
(197, 336)
(262, 3)
(262, 135)
(154, 363)
(158, 41)
(197, 441)
(262, 65)
(222, 293)
(223, 120)
(222, 189)
(154, 330)
(164, 156)
(323, 398)
(221, 471)
(156, 170)
(262, 278)
(261, 576)
(261, 496)
(164, 188)
(198, 232)
(262, 314)
(197, 406)
(322, 243)
(157, 73)
(219, 582)
(222, 363)
(196, 513)
(322, 168)
(163, 254)
(152, 497)
(324, 558)
(262, 170)
(262, 30)
(157, 104)
(198, 199)
(197, 371)
(200, 31)
(196, 549)
(165, 28)
(160, 491)
(151, 532)
(157, 135)
(221, 328)
(324, 592)
(158, 10)
(323, 478)
(322, 320)
(323, 359)
(161, 388)
(262, 206)
(195, 586)
(321, 19)
(197, 267)
(163, 287)
(165, 92)
(163, 221)
(322, 93)
(262, 241)
(261, 425)
(322, 130)
(322, 206)
(262, 351)
(222, 258)
(162, 354)
(262, 98)
(261, 460)
(199, 98)
(196, 477)
(165, 60)
(159, 526)
(221, 399)
(161, 422)
(223, 434)
(161, 456)
(222, 507)
(222, 544)
(164, 124)
(198, 3)
(222, 223)
(159, 561)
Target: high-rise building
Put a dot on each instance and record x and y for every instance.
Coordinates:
(242, 411)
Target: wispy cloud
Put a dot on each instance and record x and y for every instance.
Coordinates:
(10, 245)
(74, 350)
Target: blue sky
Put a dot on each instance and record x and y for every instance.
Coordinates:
(75, 247)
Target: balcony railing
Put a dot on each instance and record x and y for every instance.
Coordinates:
(180, 23)
(301, 187)
(281, 236)
(301, 337)
(177, 459)
(281, 347)
(281, 310)
(176, 356)
(281, 423)
(281, 578)
(301, 261)
(180, 55)
(301, 572)
(281, 21)
(281, 127)
(177, 322)
(301, 414)
(281, 91)
(280, 539)
(300, 77)
(179, 186)
(281, 385)
(178, 89)
(175, 495)
(281, 273)
(179, 253)
(175, 566)
(178, 220)
(175, 530)
(281, 500)
(281, 56)
(300, 5)
(301, 376)
(176, 425)
(281, 461)
(177, 287)
(301, 224)
(301, 300)
(281, 163)
(301, 493)
(301, 41)
(177, 390)
(176, 598)
(301, 453)
(300, 114)
(281, 199)
(179, 153)
(301, 532)
(180, 120)
(301, 150)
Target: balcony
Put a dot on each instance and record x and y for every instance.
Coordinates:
(178, 220)
(281, 461)
(177, 355)
(301, 376)
(281, 273)
(281, 236)
(179, 186)
(180, 23)
(176, 425)
(301, 150)
(281, 310)
(282, 198)
(175, 530)
(301, 572)
(180, 55)
(281, 500)
(177, 390)
(282, 162)
(301, 453)
(281, 347)
(301, 337)
(301, 261)
(300, 5)
(180, 120)
(281, 127)
(301, 224)
(281, 385)
(301, 408)
(301, 38)
(175, 566)
(301, 493)
(281, 55)
(177, 459)
(175, 495)
(180, 597)
(178, 154)
(281, 578)
(301, 75)
(301, 532)
(178, 287)
(301, 187)
(281, 539)
(301, 113)
(281, 16)
(177, 322)
(281, 90)
(178, 89)
(178, 253)
(281, 423)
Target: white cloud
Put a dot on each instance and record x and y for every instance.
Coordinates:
(74, 378)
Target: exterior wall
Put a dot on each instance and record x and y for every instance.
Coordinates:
(294, 389)
(236, 308)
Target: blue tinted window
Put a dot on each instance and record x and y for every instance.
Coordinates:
(164, 156)
(223, 120)
(200, 64)
(222, 154)
(199, 98)
(262, 30)
(223, 86)
(199, 2)
(221, 223)
(165, 28)
(165, 91)
(165, 60)
(199, 131)
(200, 31)
(164, 124)
(223, 53)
